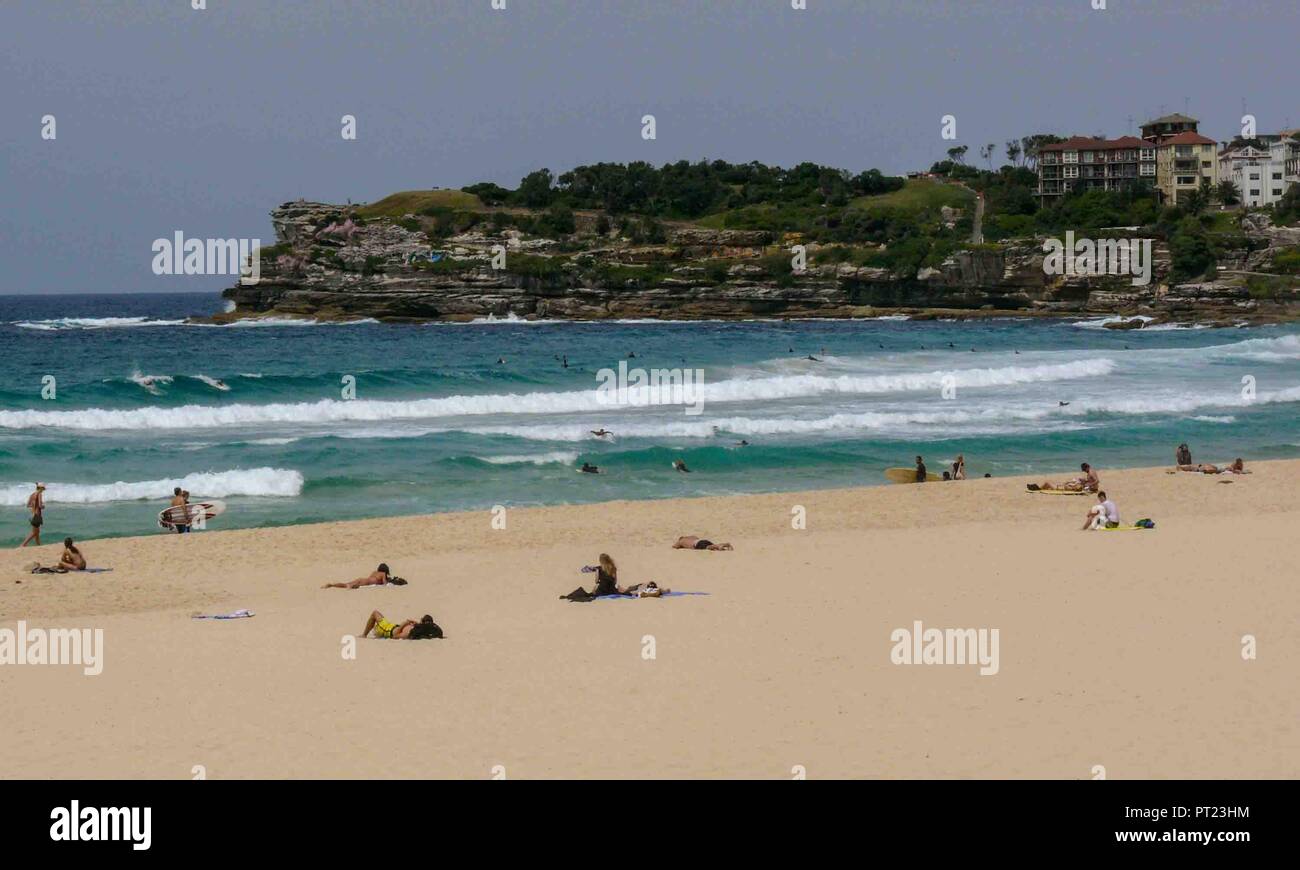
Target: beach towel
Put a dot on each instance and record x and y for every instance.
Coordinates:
(238, 614)
(650, 597)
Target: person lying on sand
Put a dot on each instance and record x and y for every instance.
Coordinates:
(377, 577)
(424, 629)
(1237, 466)
(693, 542)
(606, 581)
(649, 590)
(72, 559)
(1090, 482)
(1103, 514)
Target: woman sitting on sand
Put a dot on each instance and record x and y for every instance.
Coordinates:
(693, 542)
(1090, 482)
(425, 629)
(72, 559)
(377, 577)
(606, 581)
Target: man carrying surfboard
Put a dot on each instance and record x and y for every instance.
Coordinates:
(180, 499)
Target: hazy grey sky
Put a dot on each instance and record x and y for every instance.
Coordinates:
(201, 121)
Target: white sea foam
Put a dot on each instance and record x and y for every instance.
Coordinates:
(60, 323)
(275, 482)
(577, 401)
(562, 457)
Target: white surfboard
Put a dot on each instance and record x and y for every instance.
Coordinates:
(193, 514)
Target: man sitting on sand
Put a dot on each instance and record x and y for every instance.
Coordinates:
(377, 577)
(1090, 482)
(1103, 514)
(72, 559)
(425, 629)
(693, 542)
(1183, 455)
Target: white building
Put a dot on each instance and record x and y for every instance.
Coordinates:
(1260, 174)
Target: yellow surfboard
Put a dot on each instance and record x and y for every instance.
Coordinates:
(907, 475)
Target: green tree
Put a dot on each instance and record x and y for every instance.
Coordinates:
(1227, 193)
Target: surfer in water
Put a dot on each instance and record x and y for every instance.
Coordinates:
(377, 577)
(35, 504)
(601, 432)
(742, 443)
(681, 466)
(588, 468)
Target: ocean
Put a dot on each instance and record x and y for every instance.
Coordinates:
(255, 414)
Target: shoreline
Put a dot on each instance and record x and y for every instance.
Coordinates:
(1119, 650)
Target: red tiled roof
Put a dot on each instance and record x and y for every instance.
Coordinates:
(1087, 143)
(1187, 139)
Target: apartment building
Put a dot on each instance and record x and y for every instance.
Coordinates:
(1086, 163)
(1258, 176)
(1183, 162)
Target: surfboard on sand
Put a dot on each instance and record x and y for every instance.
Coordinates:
(907, 475)
(1059, 492)
(189, 514)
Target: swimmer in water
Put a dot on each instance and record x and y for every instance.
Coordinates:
(601, 433)
(681, 466)
(742, 443)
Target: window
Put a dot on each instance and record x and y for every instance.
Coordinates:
(1071, 156)
(1277, 191)
(1087, 157)
(1071, 172)
(1148, 154)
(1255, 192)
(1187, 180)
(1205, 164)
(1254, 176)
(1277, 176)
(1148, 169)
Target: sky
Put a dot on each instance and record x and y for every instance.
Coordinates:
(173, 119)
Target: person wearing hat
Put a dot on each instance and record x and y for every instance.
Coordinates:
(36, 504)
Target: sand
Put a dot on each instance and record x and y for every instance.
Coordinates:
(1122, 650)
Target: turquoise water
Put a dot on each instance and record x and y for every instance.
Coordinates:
(254, 415)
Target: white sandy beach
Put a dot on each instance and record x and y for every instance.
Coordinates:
(1120, 650)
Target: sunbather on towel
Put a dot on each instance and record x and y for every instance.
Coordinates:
(694, 542)
(1090, 482)
(1235, 467)
(377, 577)
(408, 629)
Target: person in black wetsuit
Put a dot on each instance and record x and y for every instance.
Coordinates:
(920, 470)
(606, 581)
